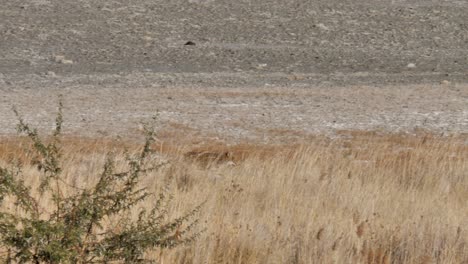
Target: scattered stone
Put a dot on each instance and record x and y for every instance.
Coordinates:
(41, 2)
(189, 43)
(411, 66)
(105, 9)
(445, 82)
(61, 59)
(295, 77)
(202, 2)
(322, 26)
(147, 38)
(51, 74)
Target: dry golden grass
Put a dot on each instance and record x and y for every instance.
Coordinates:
(364, 198)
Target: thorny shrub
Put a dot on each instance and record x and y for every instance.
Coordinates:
(75, 231)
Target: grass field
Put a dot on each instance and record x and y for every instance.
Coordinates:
(363, 198)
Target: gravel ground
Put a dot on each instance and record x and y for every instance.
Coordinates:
(256, 70)
(341, 37)
(234, 114)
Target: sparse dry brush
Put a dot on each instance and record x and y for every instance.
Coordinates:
(47, 219)
(363, 198)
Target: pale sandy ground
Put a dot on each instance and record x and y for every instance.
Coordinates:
(262, 114)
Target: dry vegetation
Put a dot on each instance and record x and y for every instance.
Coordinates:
(363, 198)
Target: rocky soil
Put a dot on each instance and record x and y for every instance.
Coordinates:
(237, 69)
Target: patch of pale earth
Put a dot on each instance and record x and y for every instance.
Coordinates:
(236, 113)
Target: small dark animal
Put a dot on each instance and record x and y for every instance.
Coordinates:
(189, 43)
